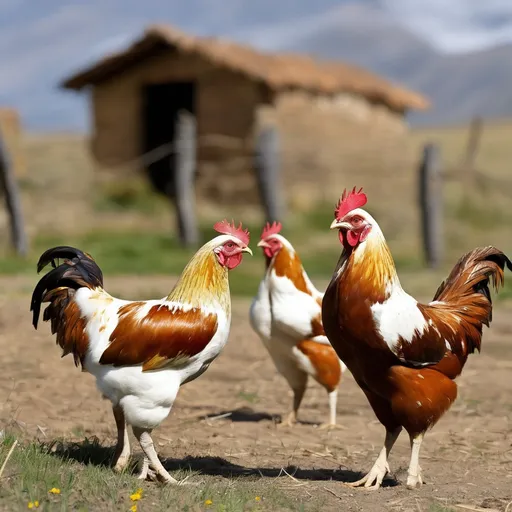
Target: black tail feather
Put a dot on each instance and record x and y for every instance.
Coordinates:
(482, 287)
(76, 271)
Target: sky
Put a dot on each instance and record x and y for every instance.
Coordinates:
(43, 42)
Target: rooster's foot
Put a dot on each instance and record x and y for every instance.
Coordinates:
(415, 481)
(290, 421)
(121, 463)
(373, 479)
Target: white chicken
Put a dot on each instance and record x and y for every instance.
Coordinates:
(141, 352)
(287, 316)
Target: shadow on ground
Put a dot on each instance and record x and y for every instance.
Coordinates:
(91, 452)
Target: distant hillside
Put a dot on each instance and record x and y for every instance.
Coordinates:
(460, 86)
(47, 42)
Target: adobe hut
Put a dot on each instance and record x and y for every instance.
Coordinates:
(332, 118)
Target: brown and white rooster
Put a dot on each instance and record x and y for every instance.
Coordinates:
(141, 352)
(286, 314)
(403, 354)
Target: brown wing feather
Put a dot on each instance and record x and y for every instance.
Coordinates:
(158, 338)
(325, 362)
(461, 306)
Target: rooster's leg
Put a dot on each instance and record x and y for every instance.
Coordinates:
(122, 454)
(298, 394)
(146, 471)
(374, 478)
(414, 478)
(333, 399)
(146, 443)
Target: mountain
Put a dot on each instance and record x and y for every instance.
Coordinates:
(459, 85)
(404, 40)
(464, 85)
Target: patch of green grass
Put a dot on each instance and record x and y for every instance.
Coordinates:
(479, 216)
(130, 195)
(82, 479)
(153, 252)
(252, 398)
(139, 253)
(318, 218)
(78, 431)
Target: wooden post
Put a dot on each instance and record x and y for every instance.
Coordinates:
(12, 202)
(475, 134)
(267, 170)
(431, 205)
(184, 172)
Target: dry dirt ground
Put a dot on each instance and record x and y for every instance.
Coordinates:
(467, 459)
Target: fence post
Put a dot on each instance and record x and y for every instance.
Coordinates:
(475, 134)
(431, 205)
(267, 170)
(185, 156)
(12, 202)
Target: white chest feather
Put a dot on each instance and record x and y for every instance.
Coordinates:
(260, 315)
(292, 309)
(398, 317)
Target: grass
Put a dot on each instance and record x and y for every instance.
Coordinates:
(82, 475)
(125, 247)
(151, 252)
(131, 194)
(252, 398)
(132, 252)
(146, 253)
(494, 153)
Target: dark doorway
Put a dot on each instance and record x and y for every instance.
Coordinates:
(161, 104)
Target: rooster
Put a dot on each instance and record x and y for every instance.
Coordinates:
(141, 352)
(286, 314)
(404, 355)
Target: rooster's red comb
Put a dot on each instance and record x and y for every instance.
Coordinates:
(349, 201)
(271, 229)
(225, 228)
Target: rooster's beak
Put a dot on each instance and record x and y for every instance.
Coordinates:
(262, 243)
(247, 250)
(338, 224)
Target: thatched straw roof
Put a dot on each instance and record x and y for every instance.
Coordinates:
(278, 71)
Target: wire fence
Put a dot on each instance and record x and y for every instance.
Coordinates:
(270, 154)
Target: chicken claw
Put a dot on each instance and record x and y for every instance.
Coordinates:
(374, 478)
(414, 481)
(290, 421)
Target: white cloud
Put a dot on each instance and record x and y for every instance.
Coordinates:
(456, 25)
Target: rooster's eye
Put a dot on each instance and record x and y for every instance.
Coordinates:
(230, 245)
(357, 220)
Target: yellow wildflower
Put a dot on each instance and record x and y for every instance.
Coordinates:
(36, 503)
(54, 490)
(257, 498)
(133, 508)
(136, 496)
(208, 502)
(30, 504)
